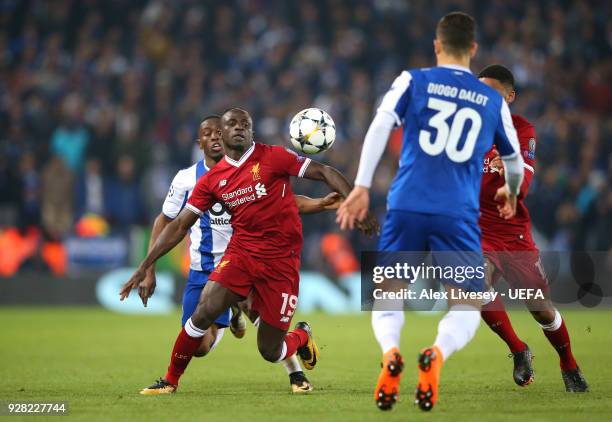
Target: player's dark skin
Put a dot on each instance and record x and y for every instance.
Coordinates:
(209, 141)
(237, 134)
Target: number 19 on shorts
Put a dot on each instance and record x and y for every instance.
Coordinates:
(288, 308)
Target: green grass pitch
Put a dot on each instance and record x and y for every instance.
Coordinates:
(98, 361)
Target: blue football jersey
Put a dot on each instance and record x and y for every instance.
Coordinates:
(450, 120)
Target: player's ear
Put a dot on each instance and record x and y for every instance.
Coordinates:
(437, 46)
(511, 97)
(474, 49)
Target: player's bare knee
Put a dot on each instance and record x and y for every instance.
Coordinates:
(203, 315)
(200, 316)
(543, 311)
(544, 316)
(271, 354)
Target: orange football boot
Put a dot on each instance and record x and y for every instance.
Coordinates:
(429, 365)
(388, 385)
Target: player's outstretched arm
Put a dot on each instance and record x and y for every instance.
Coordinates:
(307, 205)
(147, 287)
(332, 177)
(337, 182)
(169, 237)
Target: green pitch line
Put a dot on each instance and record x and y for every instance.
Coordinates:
(98, 361)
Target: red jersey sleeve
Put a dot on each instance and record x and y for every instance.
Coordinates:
(201, 198)
(285, 161)
(527, 140)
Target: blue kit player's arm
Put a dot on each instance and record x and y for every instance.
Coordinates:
(509, 149)
(393, 106)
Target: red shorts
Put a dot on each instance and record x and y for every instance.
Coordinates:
(273, 283)
(517, 261)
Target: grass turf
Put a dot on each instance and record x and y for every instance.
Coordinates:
(98, 361)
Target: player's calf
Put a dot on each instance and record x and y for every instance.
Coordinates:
(271, 352)
(209, 341)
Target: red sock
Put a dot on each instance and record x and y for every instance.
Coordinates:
(184, 348)
(561, 342)
(294, 340)
(494, 314)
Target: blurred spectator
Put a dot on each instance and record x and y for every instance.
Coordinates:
(126, 83)
(90, 190)
(30, 192)
(123, 199)
(69, 141)
(9, 193)
(57, 198)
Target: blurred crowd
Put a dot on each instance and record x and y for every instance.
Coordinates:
(100, 100)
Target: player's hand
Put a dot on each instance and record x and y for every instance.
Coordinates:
(146, 288)
(332, 201)
(354, 208)
(497, 164)
(507, 200)
(132, 283)
(369, 226)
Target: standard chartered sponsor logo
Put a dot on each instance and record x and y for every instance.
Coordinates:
(260, 189)
(237, 192)
(239, 197)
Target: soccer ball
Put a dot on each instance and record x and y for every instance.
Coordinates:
(312, 131)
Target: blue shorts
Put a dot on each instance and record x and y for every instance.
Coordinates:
(452, 241)
(191, 296)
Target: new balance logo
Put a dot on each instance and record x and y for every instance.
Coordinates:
(284, 319)
(223, 183)
(260, 190)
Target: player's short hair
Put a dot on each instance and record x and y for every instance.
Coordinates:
(500, 73)
(457, 33)
(235, 108)
(210, 116)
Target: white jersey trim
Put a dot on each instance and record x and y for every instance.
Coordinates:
(509, 130)
(374, 145)
(304, 167)
(392, 97)
(456, 67)
(193, 209)
(244, 157)
(528, 167)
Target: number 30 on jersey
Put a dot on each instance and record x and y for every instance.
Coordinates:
(447, 138)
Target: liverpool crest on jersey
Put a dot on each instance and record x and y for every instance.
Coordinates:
(255, 172)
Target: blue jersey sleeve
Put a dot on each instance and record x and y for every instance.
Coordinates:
(395, 102)
(506, 139)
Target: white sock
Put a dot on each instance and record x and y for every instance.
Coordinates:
(456, 329)
(387, 326)
(554, 325)
(292, 364)
(488, 298)
(220, 332)
(193, 331)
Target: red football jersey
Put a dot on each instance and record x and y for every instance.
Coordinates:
(256, 190)
(491, 224)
